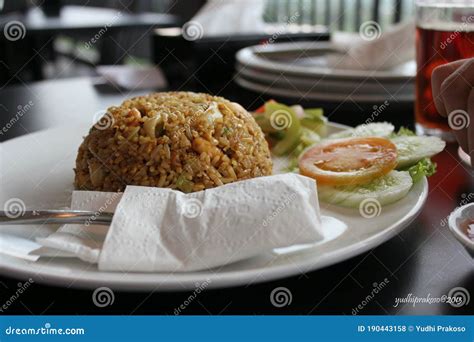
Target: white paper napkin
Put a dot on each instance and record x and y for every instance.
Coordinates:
(218, 18)
(157, 229)
(374, 49)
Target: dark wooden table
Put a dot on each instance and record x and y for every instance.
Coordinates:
(424, 260)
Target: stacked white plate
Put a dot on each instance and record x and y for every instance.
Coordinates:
(302, 70)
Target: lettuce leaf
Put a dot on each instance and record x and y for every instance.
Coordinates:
(424, 167)
(403, 131)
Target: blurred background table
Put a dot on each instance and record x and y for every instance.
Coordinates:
(74, 22)
(423, 260)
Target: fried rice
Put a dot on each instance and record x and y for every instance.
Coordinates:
(179, 140)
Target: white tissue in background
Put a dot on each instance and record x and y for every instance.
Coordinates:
(220, 18)
(394, 47)
(155, 229)
(133, 77)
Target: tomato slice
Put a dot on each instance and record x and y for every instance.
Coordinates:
(349, 161)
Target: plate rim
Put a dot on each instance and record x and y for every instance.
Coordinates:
(257, 74)
(320, 96)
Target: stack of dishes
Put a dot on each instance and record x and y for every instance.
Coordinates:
(302, 70)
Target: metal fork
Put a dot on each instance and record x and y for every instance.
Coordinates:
(56, 217)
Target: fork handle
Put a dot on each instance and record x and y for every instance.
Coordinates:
(56, 217)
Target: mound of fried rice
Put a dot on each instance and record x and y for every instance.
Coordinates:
(180, 140)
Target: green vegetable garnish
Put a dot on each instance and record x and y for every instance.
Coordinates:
(283, 118)
(403, 131)
(424, 167)
(277, 135)
(414, 152)
(292, 129)
(264, 123)
(308, 138)
(314, 120)
(315, 114)
(184, 184)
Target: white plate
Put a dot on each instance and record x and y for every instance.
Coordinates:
(345, 87)
(320, 94)
(37, 168)
(307, 59)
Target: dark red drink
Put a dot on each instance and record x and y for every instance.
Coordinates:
(433, 48)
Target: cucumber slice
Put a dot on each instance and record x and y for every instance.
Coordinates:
(412, 149)
(374, 129)
(283, 118)
(309, 137)
(384, 190)
(315, 120)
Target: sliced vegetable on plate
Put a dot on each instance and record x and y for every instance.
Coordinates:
(315, 120)
(424, 168)
(349, 161)
(412, 149)
(290, 128)
(281, 125)
(374, 129)
(370, 161)
(385, 190)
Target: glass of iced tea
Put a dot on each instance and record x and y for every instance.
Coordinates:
(444, 33)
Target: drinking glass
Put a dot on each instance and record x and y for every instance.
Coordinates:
(444, 33)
